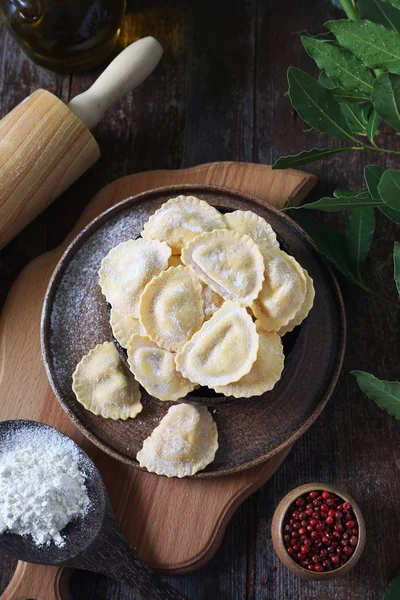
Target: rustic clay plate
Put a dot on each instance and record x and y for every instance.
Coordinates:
(251, 430)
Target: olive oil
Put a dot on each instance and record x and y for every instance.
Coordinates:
(65, 35)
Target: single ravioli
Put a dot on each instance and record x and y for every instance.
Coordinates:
(229, 262)
(181, 219)
(126, 270)
(123, 326)
(223, 350)
(104, 386)
(304, 309)
(211, 301)
(155, 370)
(265, 372)
(184, 442)
(171, 308)
(261, 232)
(283, 291)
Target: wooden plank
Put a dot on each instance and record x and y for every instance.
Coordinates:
(353, 444)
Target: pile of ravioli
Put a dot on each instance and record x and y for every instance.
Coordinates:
(200, 299)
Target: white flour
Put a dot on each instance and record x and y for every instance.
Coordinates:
(41, 486)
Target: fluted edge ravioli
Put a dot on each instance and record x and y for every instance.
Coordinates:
(283, 291)
(223, 350)
(229, 262)
(181, 219)
(104, 386)
(304, 309)
(123, 326)
(155, 370)
(261, 232)
(126, 270)
(265, 372)
(171, 307)
(184, 442)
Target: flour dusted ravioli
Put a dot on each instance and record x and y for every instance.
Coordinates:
(126, 270)
(181, 219)
(124, 326)
(184, 442)
(171, 307)
(304, 309)
(283, 291)
(261, 232)
(223, 350)
(103, 385)
(229, 262)
(265, 372)
(211, 301)
(155, 370)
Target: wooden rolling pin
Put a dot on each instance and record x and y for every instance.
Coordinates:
(45, 145)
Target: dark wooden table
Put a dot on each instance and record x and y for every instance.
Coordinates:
(218, 95)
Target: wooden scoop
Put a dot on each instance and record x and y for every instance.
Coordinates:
(94, 542)
(45, 145)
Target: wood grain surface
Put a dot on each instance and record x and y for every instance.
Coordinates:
(219, 95)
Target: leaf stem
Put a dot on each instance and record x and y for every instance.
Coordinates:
(378, 149)
(350, 9)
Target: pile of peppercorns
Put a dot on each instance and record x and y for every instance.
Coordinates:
(320, 531)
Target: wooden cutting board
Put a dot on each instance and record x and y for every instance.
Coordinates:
(176, 525)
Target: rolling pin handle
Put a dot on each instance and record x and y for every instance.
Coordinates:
(122, 75)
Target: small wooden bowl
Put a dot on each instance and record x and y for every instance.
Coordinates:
(277, 533)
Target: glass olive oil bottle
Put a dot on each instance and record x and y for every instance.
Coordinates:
(65, 35)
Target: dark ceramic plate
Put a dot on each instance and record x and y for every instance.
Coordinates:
(251, 430)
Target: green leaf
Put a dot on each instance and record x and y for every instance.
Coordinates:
(393, 2)
(372, 125)
(389, 188)
(329, 242)
(359, 233)
(316, 105)
(372, 176)
(346, 202)
(306, 157)
(326, 81)
(348, 96)
(380, 12)
(366, 111)
(393, 591)
(376, 46)
(340, 94)
(385, 393)
(355, 117)
(396, 262)
(391, 213)
(386, 98)
(340, 65)
(339, 193)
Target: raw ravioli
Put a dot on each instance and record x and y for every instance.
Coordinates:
(184, 442)
(126, 270)
(229, 262)
(223, 350)
(104, 386)
(155, 370)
